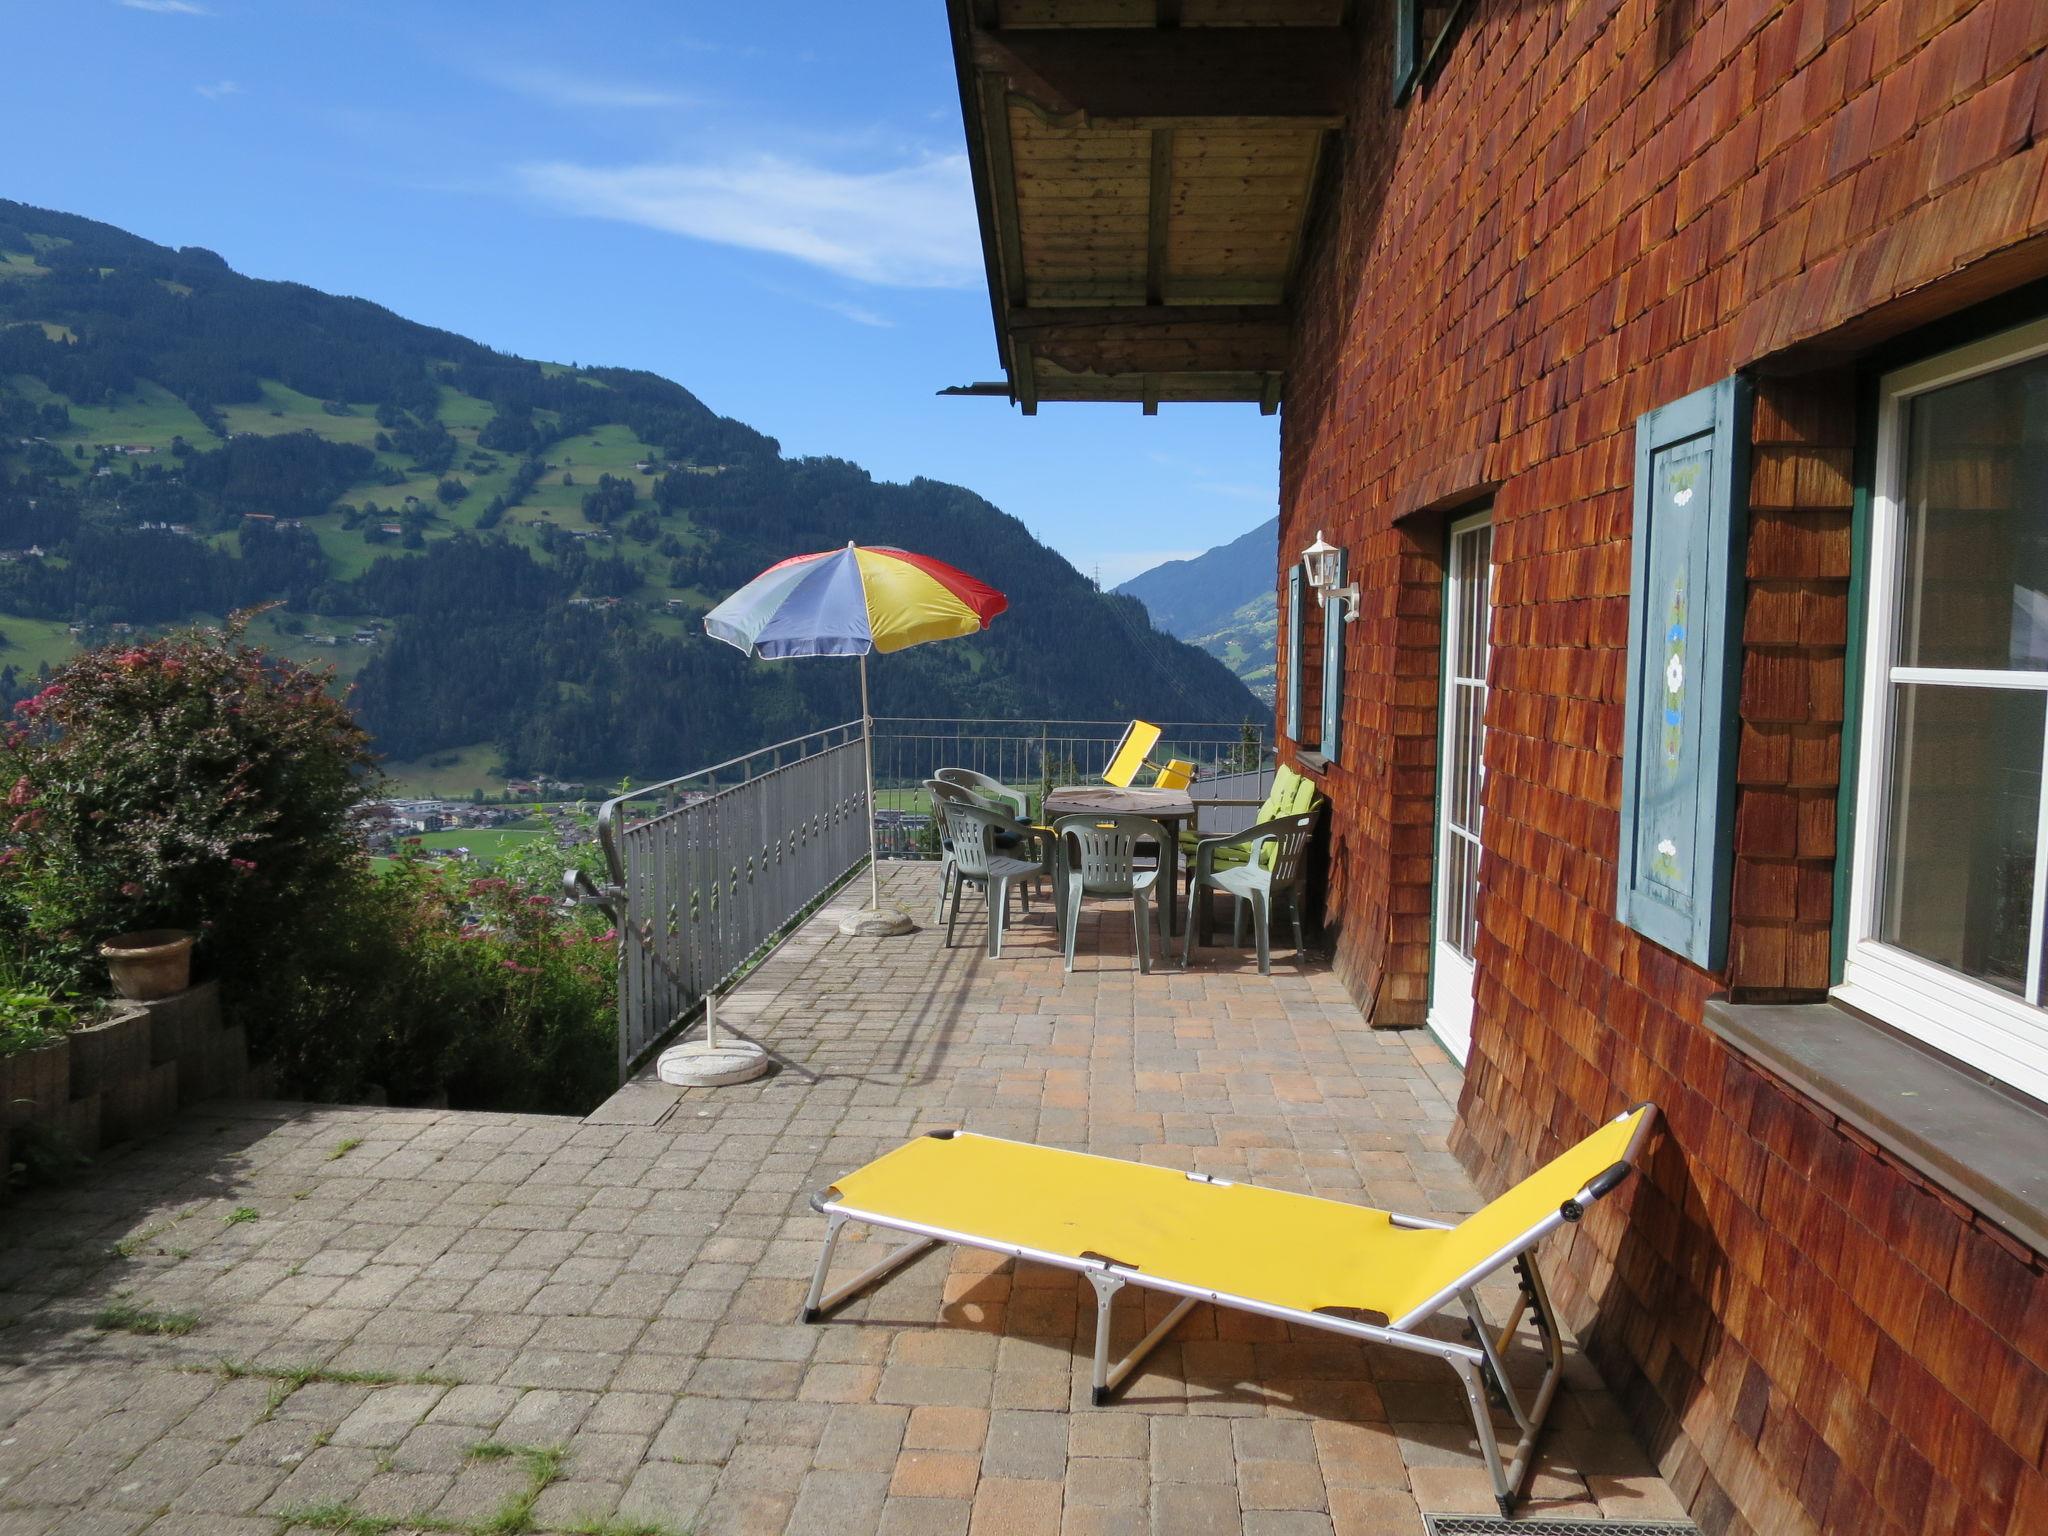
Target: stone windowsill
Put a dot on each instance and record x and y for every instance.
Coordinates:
(1980, 1143)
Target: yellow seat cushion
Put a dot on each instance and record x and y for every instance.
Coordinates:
(1267, 1245)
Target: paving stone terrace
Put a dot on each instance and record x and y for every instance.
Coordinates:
(373, 1294)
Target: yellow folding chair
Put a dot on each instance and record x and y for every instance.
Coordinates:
(1350, 1269)
(1139, 738)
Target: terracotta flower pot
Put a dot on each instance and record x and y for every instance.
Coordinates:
(143, 966)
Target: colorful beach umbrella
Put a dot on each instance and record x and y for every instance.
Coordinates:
(848, 602)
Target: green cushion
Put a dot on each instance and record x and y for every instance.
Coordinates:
(1285, 783)
(1304, 801)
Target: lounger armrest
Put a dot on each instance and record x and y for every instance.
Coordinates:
(1598, 1187)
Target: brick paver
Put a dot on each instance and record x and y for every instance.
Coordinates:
(625, 1287)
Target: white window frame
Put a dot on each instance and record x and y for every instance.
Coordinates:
(1978, 1024)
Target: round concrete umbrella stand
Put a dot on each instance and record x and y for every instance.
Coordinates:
(877, 923)
(713, 1061)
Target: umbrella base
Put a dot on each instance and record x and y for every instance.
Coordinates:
(877, 923)
(700, 1064)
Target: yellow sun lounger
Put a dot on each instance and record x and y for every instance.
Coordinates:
(1365, 1273)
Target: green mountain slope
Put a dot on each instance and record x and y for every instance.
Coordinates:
(1221, 600)
(524, 549)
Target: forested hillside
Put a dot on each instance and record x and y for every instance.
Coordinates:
(502, 554)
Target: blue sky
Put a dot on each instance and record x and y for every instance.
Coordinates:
(768, 203)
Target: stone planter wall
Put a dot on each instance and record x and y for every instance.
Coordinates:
(124, 1076)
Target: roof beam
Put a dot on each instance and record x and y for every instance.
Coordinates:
(1159, 188)
(1139, 318)
(1002, 179)
(1178, 74)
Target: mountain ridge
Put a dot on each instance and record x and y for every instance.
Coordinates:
(493, 550)
(1221, 600)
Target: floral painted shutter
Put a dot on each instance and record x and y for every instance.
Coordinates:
(1294, 600)
(1684, 660)
(1333, 662)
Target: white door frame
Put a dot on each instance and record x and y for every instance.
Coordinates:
(1450, 968)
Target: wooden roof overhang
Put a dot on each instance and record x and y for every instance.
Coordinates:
(1143, 171)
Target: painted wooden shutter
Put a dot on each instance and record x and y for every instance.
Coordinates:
(1333, 662)
(1684, 671)
(1295, 582)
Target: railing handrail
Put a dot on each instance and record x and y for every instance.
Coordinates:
(607, 813)
(984, 721)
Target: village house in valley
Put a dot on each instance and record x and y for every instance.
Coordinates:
(1664, 392)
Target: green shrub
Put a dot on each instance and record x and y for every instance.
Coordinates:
(29, 1019)
(485, 991)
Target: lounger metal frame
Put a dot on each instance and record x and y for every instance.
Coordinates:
(1480, 1366)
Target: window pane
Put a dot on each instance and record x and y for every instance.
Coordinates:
(1966, 799)
(1975, 499)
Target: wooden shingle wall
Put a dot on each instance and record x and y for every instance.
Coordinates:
(1594, 207)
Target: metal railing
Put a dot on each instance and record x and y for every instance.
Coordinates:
(709, 868)
(1232, 762)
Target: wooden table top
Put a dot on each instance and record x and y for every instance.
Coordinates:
(1108, 800)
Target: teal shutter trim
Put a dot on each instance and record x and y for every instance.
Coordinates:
(1295, 583)
(1333, 662)
(1407, 47)
(1676, 855)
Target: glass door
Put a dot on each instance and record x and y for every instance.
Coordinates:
(1461, 779)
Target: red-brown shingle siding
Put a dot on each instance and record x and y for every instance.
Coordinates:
(1591, 210)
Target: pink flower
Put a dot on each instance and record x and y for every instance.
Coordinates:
(243, 866)
(540, 901)
(20, 792)
(523, 970)
(131, 889)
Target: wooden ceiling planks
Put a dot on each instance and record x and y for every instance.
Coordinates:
(1150, 181)
(1192, 13)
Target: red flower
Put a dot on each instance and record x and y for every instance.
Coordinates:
(243, 866)
(19, 795)
(514, 965)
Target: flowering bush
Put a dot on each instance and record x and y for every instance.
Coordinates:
(195, 782)
(185, 782)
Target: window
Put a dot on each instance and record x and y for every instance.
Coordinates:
(1947, 925)
(1315, 716)
(1421, 27)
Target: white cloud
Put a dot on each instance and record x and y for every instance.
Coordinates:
(168, 7)
(859, 314)
(218, 89)
(911, 226)
(565, 88)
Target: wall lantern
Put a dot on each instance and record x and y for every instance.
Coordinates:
(1323, 563)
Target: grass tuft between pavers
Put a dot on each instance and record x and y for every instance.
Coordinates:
(543, 1466)
(127, 1317)
(287, 1379)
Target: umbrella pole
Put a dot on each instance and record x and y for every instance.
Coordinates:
(867, 737)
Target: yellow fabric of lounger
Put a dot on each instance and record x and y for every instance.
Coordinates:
(1265, 1245)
